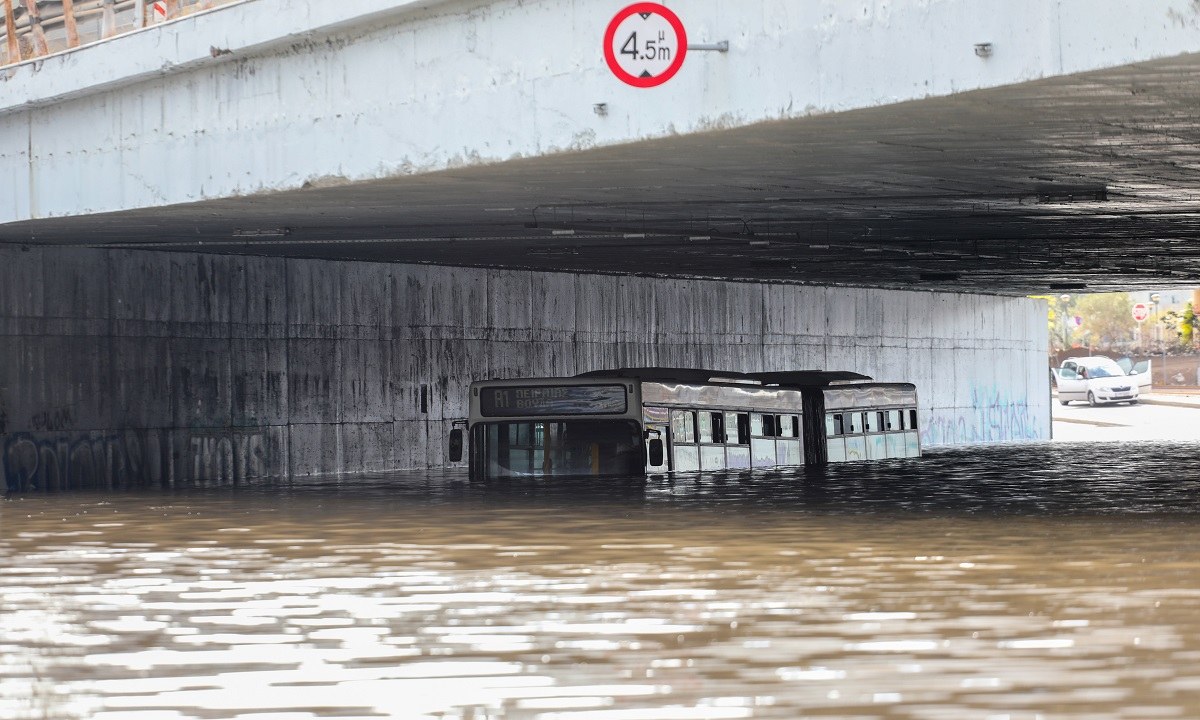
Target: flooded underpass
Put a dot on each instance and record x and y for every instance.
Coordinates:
(1053, 580)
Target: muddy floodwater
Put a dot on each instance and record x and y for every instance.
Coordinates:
(1036, 581)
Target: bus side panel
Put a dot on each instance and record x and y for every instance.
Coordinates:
(788, 452)
(912, 444)
(687, 458)
(856, 448)
(877, 447)
(836, 448)
(762, 452)
(712, 457)
(737, 457)
(895, 445)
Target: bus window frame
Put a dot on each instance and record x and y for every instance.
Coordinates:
(718, 427)
(691, 422)
(703, 423)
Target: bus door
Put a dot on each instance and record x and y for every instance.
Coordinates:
(656, 448)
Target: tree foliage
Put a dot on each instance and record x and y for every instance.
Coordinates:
(1060, 334)
(1107, 316)
(1183, 324)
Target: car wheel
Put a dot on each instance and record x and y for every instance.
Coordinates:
(1133, 402)
(1065, 402)
(1092, 399)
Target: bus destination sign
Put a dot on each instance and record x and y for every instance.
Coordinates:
(526, 401)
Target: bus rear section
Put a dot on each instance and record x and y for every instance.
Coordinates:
(874, 421)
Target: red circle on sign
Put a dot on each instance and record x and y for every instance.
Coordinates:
(611, 57)
(1140, 312)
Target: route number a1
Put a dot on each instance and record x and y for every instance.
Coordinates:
(645, 44)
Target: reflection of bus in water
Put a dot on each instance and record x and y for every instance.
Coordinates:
(639, 421)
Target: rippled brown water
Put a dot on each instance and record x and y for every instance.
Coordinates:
(1040, 581)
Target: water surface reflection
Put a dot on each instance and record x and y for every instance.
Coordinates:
(1049, 580)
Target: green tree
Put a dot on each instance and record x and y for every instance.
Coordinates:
(1107, 316)
(1189, 325)
(1057, 314)
(1183, 324)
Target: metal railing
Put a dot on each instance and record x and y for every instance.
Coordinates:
(33, 28)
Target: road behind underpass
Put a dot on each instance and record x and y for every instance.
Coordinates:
(1157, 416)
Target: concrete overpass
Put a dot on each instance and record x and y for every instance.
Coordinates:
(851, 185)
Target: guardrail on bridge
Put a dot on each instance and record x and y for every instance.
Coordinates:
(33, 28)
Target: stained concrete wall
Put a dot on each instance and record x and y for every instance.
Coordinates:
(128, 368)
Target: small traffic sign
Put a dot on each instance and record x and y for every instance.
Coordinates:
(1141, 311)
(645, 44)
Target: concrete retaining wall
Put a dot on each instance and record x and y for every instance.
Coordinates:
(127, 368)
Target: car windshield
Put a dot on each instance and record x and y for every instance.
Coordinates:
(1101, 370)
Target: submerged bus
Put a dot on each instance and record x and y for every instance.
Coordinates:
(649, 421)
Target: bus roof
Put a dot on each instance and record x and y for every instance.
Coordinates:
(691, 376)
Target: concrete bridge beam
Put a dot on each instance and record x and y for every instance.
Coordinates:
(276, 95)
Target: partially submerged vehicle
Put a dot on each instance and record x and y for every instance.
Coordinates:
(645, 421)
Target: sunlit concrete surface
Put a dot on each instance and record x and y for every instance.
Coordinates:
(275, 95)
(1157, 417)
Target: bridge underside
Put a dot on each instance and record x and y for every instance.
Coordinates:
(1078, 182)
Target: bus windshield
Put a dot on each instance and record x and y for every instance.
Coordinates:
(542, 448)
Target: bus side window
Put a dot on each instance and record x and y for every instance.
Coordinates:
(893, 420)
(849, 423)
(769, 428)
(883, 423)
(912, 419)
(743, 428)
(829, 425)
(756, 424)
(787, 426)
(718, 425)
(731, 428)
(839, 424)
(869, 422)
(683, 426)
(706, 427)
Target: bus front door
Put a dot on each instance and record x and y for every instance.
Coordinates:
(656, 449)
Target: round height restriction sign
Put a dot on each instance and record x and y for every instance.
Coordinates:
(1141, 311)
(645, 44)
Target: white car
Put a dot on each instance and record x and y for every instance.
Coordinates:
(1099, 380)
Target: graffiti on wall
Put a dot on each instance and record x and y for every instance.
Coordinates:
(994, 416)
(54, 461)
(227, 456)
(83, 461)
(56, 419)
